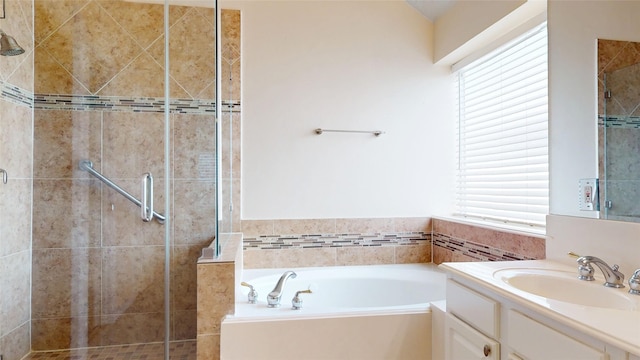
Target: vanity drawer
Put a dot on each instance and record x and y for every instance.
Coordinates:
(476, 309)
(533, 340)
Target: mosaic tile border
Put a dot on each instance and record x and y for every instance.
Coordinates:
(19, 96)
(476, 251)
(620, 121)
(271, 242)
(130, 104)
(15, 94)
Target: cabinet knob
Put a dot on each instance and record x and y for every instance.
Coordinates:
(486, 350)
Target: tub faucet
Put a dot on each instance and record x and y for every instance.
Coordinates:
(273, 299)
(613, 277)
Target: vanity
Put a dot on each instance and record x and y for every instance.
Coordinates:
(536, 310)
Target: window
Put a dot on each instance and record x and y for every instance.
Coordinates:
(503, 172)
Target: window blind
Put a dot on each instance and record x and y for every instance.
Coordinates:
(503, 172)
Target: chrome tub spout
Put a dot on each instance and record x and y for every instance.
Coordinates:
(273, 299)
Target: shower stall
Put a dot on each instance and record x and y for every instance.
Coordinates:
(112, 125)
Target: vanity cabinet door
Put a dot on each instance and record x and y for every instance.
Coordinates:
(535, 341)
(463, 342)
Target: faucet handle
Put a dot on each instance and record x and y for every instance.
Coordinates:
(618, 278)
(615, 268)
(252, 296)
(296, 302)
(634, 283)
(585, 272)
(573, 255)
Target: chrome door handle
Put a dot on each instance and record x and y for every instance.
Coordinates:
(147, 198)
(5, 177)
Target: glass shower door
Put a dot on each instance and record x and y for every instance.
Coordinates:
(99, 260)
(97, 267)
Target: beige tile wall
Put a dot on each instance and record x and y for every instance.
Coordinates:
(16, 157)
(98, 270)
(18, 70)
(494, 241)
(615, 55)
(336, 256)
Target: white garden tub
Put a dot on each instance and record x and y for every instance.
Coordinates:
(354, 312)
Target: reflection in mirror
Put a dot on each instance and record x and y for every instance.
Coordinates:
(619, 129)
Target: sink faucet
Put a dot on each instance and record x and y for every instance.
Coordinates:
(634, 283)
(613, 277)
(273, 299)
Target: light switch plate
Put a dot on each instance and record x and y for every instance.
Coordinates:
(588, 195)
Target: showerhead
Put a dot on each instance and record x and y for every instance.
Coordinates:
(9, 46)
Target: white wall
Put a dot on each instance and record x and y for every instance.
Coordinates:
(368, 65)
(473, 28)
(361, 65)
(457, 32)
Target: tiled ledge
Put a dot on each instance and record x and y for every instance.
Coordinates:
(229, 245)
(216, 281)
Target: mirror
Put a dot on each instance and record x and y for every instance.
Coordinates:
(619, 129)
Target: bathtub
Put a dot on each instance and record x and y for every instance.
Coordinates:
(354, 312)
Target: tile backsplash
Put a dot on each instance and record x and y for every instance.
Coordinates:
(336, 242)
(332, 242)
(455, 241)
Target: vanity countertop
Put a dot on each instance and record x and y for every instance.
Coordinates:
(619, 328)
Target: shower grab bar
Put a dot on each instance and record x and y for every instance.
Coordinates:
(87, 166)
(374, 132)
(147, 198)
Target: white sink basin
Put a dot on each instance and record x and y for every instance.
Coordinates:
(566, 287)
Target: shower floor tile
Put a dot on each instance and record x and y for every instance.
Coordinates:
(183, 350)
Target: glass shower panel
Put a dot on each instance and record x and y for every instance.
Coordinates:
(621, 132)
(192, 49)
(230, 67)
(98, 268)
